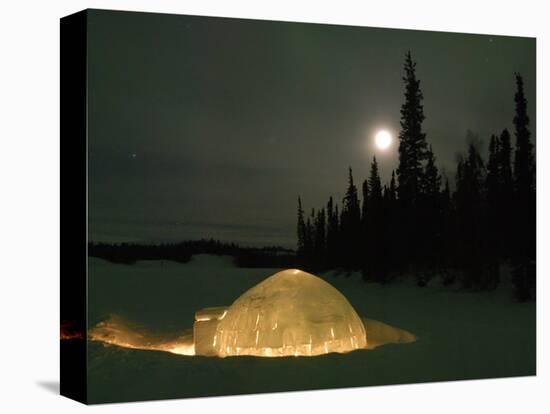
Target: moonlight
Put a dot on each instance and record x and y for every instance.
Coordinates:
(383, 139)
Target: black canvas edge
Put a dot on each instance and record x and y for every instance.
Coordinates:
(73, 205)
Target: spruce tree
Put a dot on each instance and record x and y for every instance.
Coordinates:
(469, 187)
(446, 194)
(412, 140)
(412, 153)
(332, 233)
(320, 239)
(393, 187)
(429, 216)
(448, 234)
(505, 167)
(499, 187)
(375, 185)
(375, 224)
(330, 208)
(350, 223)
(310, 237)
(431, 180)
(301, 230)
(391, 225)
(494, 225)
(525, 204)
(505, 195)
(351, 201)
(365, 229)
(493, 174)
(337, 229)
(308, 243)
(524, 164)
(364, 206)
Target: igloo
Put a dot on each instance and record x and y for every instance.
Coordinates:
(289, 313)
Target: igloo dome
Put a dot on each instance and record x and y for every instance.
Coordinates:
(289, 313)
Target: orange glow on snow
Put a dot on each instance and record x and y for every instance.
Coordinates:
(116, 331)
(291, 313)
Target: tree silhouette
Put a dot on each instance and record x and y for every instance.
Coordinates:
(319, 249)
(494, 216)
(429, 215)
(470, 181)
(412, 153)
(350, 224)
(504, 167)
(374, 269)
(366, 254)
(412, 141)
(525, 204)
(309, 239)
(524, 165)
(332, 233)
(364, 206)
(413, 226)
(301, 231)
(375, 185)
(504, 197)
(393, 187)
(493, 173)
(431, 180)
(448, 240)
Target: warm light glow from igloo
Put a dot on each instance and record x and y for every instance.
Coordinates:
(292, 313)
(116, 331)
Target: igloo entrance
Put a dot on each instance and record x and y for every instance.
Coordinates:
(289, 313)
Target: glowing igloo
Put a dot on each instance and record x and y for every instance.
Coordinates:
(289, 313)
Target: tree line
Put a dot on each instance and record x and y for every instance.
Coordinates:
(415, 224)
(181, 252)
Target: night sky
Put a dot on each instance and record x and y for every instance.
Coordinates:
(206, 127)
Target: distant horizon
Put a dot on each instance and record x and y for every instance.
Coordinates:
(171, 232)
(115, 241)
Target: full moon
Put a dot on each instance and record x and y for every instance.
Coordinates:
(383, 139)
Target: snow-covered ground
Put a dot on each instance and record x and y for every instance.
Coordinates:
(461, 335)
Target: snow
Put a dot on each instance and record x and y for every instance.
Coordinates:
(461, 334)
